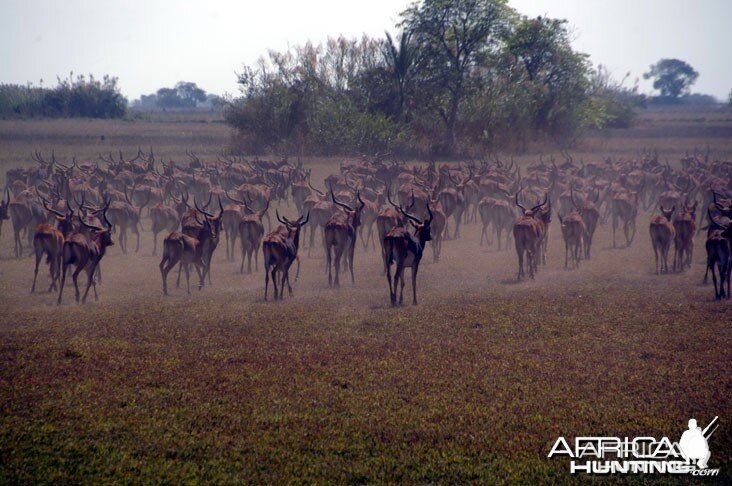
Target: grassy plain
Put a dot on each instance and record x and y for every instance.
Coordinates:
(473, 384)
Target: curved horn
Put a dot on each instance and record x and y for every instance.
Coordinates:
(546, 195)
(277, 213)
(345, 206)
(519, 204)
(95, 228)
(388, 198)
(238, 201)
(314, 189)
(195, 203)
(45, 205)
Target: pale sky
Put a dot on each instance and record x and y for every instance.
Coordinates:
(156, 43)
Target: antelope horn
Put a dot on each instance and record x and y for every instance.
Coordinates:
(314, 189)
(277, 213)
(332, 196)
(45, 205)
(519, 204)
(195, 203)
(238, 201)
(540, 205)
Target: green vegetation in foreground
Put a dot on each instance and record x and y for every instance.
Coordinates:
(454, 392)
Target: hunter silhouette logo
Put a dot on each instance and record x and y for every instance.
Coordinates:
(694, 442)
(641, 455)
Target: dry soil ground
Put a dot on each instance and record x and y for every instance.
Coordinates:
(474, 383)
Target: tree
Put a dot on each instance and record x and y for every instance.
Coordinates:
(183, 95)
(672, 77)
(454, 36)
(730, 97)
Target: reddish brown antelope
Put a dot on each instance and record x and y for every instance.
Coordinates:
(280, 251)
(86, 254)
(662, 234)
(528, 232)
(573, 232)
(406, 250)
(182, 248)
(49, 241)
(340, 236)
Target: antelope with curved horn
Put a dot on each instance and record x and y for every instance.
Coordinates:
(406, 250)
(528, 233)
(662, 234)
(590, 215)
(340, 236)
(86, 254)
(279, 250)
(50, 241)
(184, 249)
(210, 239)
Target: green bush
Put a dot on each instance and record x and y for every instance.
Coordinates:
(79, 97)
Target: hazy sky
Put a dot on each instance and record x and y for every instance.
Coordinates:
(156, 43)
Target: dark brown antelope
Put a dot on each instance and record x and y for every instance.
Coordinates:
(49, 241)
(86, 253)
(340, 236)
(719, 255)
(279, 250)
(4, 209)
(662, 234)
(684, 222)
(406, 250)
(590, 215)
(573, 232)
(528, 233)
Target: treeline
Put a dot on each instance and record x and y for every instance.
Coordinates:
(460, 76)
(79, 96)
(184, 95)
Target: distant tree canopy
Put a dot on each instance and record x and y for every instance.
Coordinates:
(184, 94)
(672, 77)
(459, 75)
(72, 97)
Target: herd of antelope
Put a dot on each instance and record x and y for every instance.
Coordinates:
(69, 213)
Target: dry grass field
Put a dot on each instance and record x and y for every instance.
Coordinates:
(334, 385)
